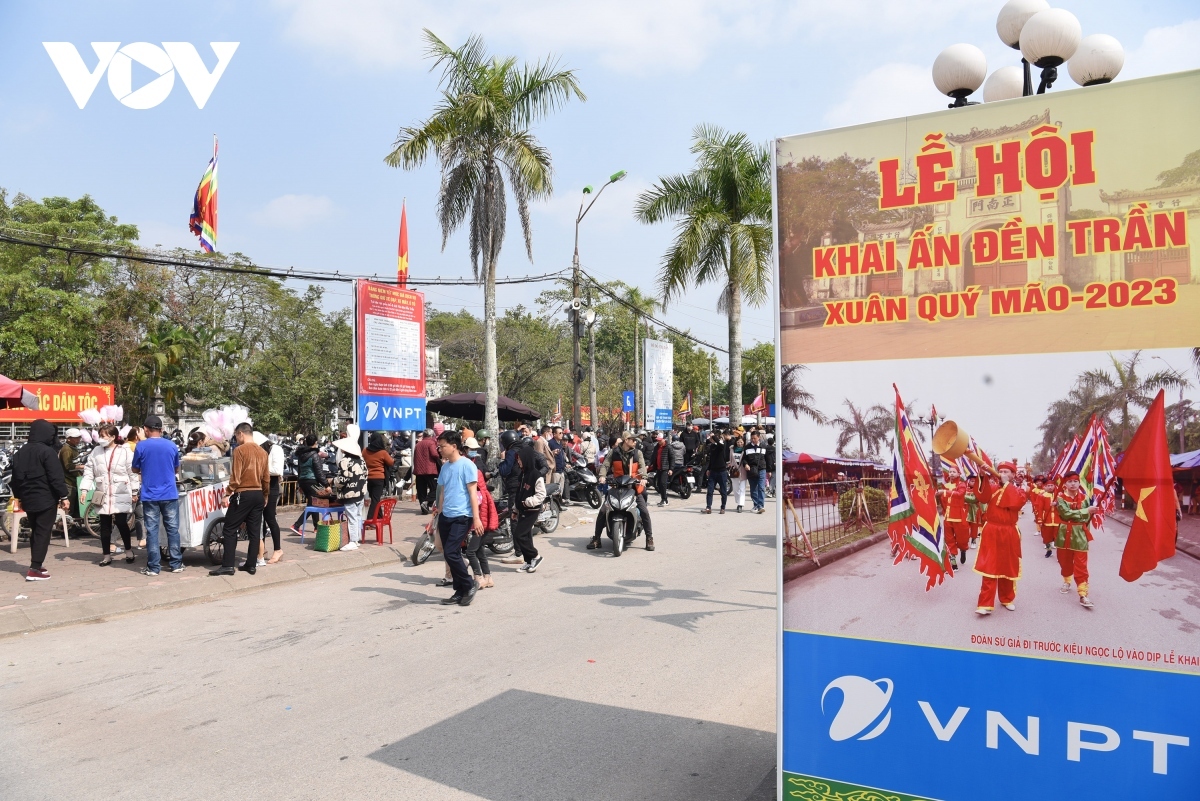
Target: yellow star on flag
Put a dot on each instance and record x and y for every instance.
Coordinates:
(1142, 499)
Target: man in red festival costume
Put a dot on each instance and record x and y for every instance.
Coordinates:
(999, 557)
(958, 531)
(974, 508)
(1049, 523)
(1074, 533)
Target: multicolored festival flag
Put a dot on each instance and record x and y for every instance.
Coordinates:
(557, 417)
(759, 404)
(203, 222)
(914, 522)
(686, 408)
(1145, 469)
(402, 248)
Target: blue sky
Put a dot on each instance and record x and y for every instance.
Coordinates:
(316, 91)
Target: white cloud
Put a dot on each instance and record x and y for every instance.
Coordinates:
(1170, 49)
(294, 212)
(624, 35)
(886, 92)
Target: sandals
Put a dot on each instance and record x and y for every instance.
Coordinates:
(106, 561)
(446, 583)
(130, 557)
(275, 557)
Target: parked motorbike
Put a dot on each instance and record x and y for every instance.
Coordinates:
(622, 521)
(583, 482)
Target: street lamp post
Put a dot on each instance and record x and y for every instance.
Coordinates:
(1047, 38)
(935, 466)
(589, 317)
(576, 304)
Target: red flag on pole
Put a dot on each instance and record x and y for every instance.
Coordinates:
(1145, 470)
(402, 249)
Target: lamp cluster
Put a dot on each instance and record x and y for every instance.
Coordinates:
(1047, 38)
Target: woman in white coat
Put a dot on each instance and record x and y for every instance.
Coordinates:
(109, 472)
(736, 472)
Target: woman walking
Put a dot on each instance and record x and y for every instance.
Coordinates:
(737, 472)
(108, 473)
(530, 497)
(270, 521)
(379, 462)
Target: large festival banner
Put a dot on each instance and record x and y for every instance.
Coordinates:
(994, 315)
(658, 359)
(390, 357)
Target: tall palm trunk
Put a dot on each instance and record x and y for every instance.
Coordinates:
(491, 418)
(735, 353)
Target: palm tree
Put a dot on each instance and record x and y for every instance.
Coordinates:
(867, 425)
(162, 352)
(480, 134)
(1117, 392)
(1068, 416)
(795, 398)
(724, 229)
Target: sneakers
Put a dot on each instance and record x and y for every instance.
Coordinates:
(706, 511)
(470, 596)
(649, 543)
(759, 510)
(295, 531)
(533, 564)
(1011, 607)
(1085, 602)
(453, 599)
(145, 571)
(661, 503)
(40, 574)
(179, 569)
(512, 560)
(1065, 588)
(594, 544)
(981, 611)
(260, 563)
(1049, 553)
(350, 546)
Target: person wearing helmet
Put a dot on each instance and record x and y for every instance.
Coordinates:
(625, 460)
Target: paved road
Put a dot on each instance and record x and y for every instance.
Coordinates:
(651, 676)
(864, 595)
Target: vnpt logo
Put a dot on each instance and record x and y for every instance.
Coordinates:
(372, 411)
(163, 61)
(863, 701)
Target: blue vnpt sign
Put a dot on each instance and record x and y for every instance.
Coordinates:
(662, 419)
(389, 413)
(985, 727)
(627, 401)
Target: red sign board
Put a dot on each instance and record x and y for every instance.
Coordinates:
(60, 403)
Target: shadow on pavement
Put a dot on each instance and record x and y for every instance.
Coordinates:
(634, 592)
(520, 745)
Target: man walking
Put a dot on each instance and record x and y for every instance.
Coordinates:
(425, 466)
(249, 484)
(67, 455)
(718, 470)
(156, 460)
(457, 512)
(754, 461)
(37, 482)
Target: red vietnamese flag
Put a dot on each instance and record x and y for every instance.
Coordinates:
(1145, 470)
(402, 249)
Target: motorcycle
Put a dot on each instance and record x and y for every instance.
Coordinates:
(583, 482)
(499, 542)
(400, 477)
(622, 521)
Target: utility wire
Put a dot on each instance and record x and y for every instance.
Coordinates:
(639, 313)
(224, 266)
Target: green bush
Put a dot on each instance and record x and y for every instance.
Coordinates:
(877, 504)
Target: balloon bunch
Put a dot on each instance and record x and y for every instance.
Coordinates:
(94, 417)
(219, 424)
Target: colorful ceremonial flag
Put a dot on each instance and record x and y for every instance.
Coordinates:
(402, 249)
(759, 404)
(686, 408)
(914, 522)
(557, 417)
(1145, 469)
(203, 222)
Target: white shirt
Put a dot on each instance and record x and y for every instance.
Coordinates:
(275, 460)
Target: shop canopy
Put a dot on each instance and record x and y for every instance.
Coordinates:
(792, 457)
(470, 406)
(13, 395)
(1185, 461)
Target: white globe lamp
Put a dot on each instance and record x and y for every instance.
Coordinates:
(958, 71)
(1012, 19)
(1097, 60)
(1048, 39)
(1004, 84)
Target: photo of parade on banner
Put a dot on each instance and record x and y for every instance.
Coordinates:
(1027, 504)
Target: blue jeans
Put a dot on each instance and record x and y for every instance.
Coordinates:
(454, 532)
(168, 513)
(758, 490)
(717, 479)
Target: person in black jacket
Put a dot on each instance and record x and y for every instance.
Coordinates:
(310, 475)
(39, 484)
(718, 469)
(754, 460)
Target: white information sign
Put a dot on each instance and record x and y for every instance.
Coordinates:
(659, 384)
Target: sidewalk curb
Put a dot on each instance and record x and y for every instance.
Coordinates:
(804, 568)
(26, 619)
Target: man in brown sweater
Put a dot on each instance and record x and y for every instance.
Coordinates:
(249, 482)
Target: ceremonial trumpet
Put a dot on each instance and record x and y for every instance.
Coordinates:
(951, 442)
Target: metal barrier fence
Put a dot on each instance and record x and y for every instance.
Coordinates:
(819, 516)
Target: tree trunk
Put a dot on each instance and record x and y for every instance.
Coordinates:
(491, 418)
(735, 355)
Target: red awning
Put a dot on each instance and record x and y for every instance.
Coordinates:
(13, 395)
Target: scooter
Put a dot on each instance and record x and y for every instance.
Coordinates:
(499, 542)
(583, 482)
(621, 518)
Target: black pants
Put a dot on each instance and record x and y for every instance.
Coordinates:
(309, 488)
(662, 479)
(453, 531)
(375, 488)
(642, 508)
(40, 525)
(270, 522)
(73, 494)
(427, 489)
(522, 534)
(244, 507)
(476, 553)
(106, 526)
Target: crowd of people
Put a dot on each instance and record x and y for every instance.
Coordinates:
(131, 482)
